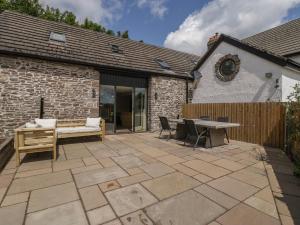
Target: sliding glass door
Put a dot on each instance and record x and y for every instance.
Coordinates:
(107, 107)
(123, 108)
(140, 109)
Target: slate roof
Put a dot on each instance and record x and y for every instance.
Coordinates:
(25, 35)
(283, 40)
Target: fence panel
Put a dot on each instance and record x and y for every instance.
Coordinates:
(261, 123)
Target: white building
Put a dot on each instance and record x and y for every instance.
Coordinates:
(263, 67)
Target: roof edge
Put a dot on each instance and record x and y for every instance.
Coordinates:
(279, 60)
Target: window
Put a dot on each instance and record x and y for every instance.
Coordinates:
(60, 38)
(227, 67)
(163, 64)
(116, 49)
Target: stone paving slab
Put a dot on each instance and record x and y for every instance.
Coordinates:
(12, 215)
(157, 169)
(52, 196)
(98, 176)
(188, 208)
(101, 215)
(128, 161)
(129, 199)
(39, 181)
(136, 218)
(207, 168)
(217, 196)
(246, 215)
(169, 185)
(92, 197)
(234, 188)
(14, 199)
(67, 214)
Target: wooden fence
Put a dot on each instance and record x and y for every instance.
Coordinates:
(261, 123)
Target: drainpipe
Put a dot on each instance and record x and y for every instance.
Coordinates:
(41, 107)
(186, 91)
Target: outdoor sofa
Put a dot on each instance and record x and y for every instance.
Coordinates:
(42, 135)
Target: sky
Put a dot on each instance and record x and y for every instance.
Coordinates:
(183, 25)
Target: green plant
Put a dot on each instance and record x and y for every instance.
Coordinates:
(293, 121)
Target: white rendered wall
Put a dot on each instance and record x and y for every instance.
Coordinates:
(296, 58)
(249, 85)
(289, 80)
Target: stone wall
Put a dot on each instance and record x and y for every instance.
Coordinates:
(171, 94)
(67, 91)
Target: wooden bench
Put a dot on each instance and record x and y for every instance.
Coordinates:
(31, 140)
(82, 131)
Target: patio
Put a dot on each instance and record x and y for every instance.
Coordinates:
(134, 179)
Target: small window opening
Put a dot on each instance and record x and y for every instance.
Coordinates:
(163, 64)
(61, 38)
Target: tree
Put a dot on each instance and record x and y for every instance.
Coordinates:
(34, 8)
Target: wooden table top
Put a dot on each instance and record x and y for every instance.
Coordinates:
(209, 123)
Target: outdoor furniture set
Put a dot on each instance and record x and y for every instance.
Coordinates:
(212, 132)
(42, 135)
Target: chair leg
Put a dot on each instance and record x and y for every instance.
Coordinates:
(198, 138)
(226, 134)
(170, 134)
(160, 132)
(187, 136)
(209, 136)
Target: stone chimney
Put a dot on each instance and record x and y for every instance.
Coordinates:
(212, 40)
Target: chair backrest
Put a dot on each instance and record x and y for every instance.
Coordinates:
(204, 117)
(190, 128)
(164, 123)
(223, 119)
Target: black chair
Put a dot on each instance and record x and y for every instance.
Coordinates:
(165, 126)
(192, 132)
(224, 119)
(204, 117)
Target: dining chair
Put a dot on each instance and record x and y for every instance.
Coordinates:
(226, 120)
(204, 117)
(192, 132)
(165, 126)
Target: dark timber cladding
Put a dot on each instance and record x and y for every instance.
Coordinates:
(127, 81)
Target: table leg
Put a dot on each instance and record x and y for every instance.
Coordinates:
(215, 138)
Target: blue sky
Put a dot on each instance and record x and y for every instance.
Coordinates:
(142, 25)
(183, 25)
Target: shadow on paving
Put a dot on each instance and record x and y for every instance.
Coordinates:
(285, 186)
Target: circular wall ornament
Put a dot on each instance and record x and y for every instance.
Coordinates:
(227, 67)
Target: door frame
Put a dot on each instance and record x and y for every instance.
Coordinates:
(133, 107)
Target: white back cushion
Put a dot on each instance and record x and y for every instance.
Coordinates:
(92, 122)
(46, 123)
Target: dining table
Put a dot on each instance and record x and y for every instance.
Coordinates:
(216, 130)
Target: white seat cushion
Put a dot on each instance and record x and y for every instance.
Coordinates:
(92, 122)
(46, 123)
(68, 130)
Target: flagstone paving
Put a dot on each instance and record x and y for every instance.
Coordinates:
(139, 179)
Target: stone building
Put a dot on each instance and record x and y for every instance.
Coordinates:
(53, 70)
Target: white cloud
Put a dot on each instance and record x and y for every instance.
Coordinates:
(238, 18)
(157, 7)
(104, 11)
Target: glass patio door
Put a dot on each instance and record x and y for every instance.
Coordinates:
(140, 104)
(108, 106)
